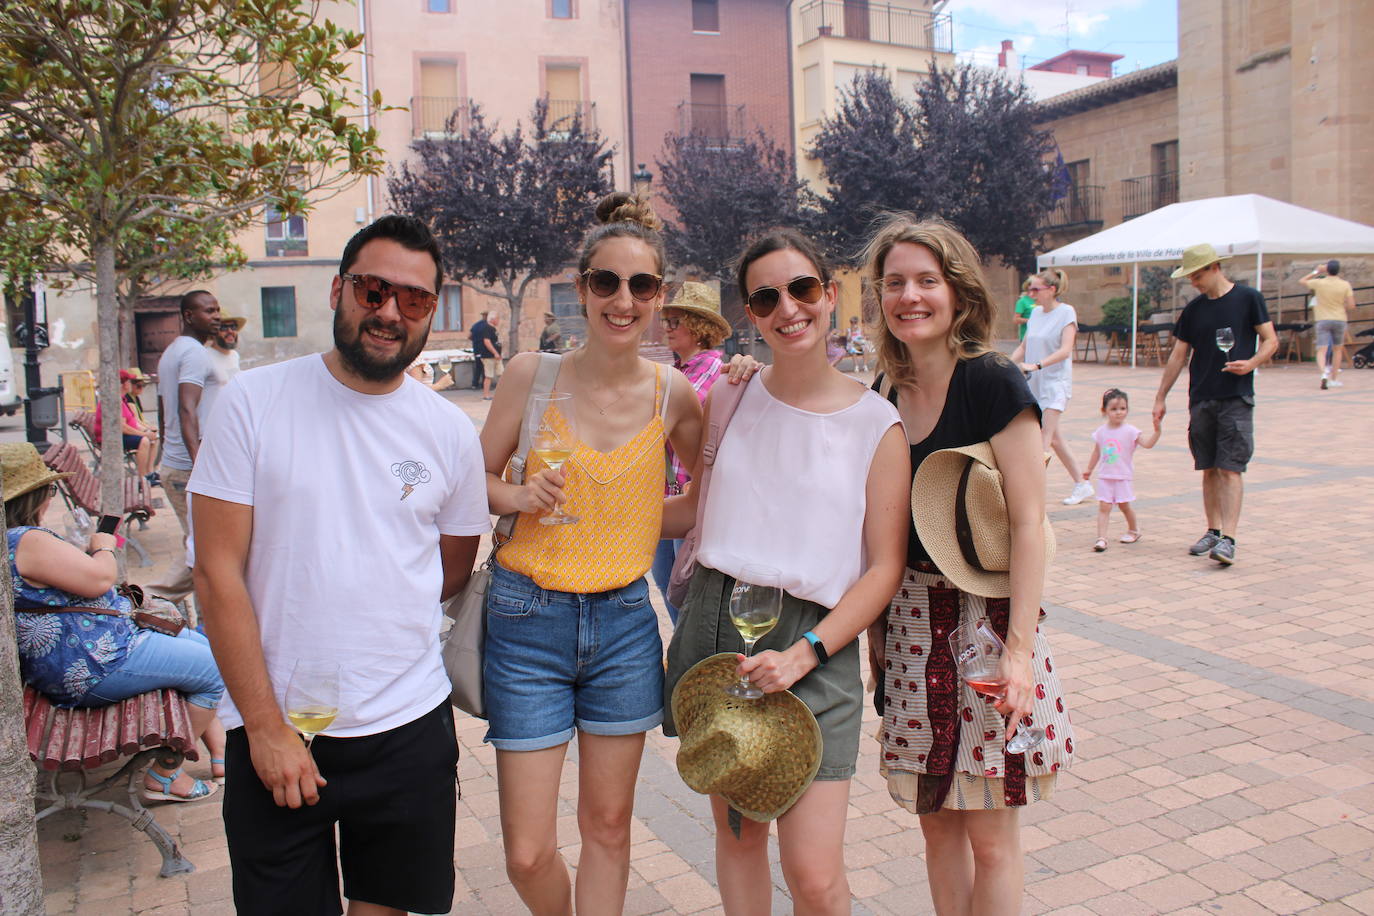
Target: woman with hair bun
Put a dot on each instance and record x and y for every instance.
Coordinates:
(1046, 356)
(572, 644)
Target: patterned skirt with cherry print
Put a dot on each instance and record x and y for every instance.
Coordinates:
(926, 706)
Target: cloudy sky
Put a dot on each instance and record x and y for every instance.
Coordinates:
(1144, 31)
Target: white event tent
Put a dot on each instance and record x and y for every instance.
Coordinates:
(1243, 224)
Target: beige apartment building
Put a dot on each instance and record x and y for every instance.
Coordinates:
(836, 40)
(428, 58)
(1266, 96)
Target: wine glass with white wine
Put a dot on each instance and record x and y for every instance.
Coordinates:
(1226, 339)
(553, 437)
(312, 696)
(755, 605)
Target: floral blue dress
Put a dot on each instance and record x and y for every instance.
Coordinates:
(65, 655)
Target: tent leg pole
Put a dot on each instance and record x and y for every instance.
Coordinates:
(1135, 306)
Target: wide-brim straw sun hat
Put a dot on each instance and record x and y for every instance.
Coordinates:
(960, 511)
(24, 470)
(759, 755)
(1196, 258)
(234, 320)
(700, 299)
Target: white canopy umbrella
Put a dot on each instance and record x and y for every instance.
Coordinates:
(1242, 224)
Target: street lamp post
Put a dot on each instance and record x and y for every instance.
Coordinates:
(35, 340)
(642, 179)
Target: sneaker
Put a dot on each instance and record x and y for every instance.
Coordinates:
(1204, 544)
(1224, 551)
(1081, 491)
(1325, 381)
(1335, 383)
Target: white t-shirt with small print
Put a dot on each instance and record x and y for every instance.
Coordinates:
(350, 493)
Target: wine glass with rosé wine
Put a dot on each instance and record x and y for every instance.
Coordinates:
(978, 655)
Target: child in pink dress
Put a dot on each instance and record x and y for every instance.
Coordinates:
(1114, 444)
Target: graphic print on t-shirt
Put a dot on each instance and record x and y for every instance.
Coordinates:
(1111, 452)
(411, 473)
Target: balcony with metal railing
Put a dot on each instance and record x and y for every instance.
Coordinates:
(1148, 192)
(877, 22)
(562, 113)
(714, 122)
(438, 117)
(1080, 208)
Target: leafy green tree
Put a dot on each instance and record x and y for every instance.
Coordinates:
(134, 131)
(507, 208)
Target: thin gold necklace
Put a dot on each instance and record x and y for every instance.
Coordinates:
(599, 409)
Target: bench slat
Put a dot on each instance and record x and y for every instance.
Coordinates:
(76, 739)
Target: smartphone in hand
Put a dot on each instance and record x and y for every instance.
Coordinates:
(108, 524)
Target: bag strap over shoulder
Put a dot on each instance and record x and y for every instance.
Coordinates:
(723, 404)
(545, 374)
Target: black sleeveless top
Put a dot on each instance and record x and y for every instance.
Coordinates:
(985, 394)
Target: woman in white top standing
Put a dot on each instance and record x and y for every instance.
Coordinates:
(789, 462)
(1046, 355)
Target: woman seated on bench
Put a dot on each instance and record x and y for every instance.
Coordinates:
(138, 438)
(78, 642)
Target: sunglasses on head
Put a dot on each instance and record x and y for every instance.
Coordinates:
(763, 300)
(372, 292)
(606, 283)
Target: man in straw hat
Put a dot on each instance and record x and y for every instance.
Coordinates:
(337, 503)
(551, 337)
(1221, 388)
(223, 348)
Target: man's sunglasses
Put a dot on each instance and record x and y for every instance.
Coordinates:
(606, 283)
(372, 292)
(763, 300)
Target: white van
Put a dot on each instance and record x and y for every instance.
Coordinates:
(10, 385)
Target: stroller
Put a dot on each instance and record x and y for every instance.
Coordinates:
(1364, 357)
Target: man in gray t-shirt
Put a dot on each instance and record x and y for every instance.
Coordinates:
(184, 377)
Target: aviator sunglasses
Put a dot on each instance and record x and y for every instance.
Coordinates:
(606, 283)
(763, 300)
(372, 292)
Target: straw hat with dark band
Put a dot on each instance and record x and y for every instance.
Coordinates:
(232, 321)
(24, 469)
(960, 510)
(759, 755)
(700, 299)
(1196, 258)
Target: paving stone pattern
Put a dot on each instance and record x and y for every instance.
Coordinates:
(1225, 717)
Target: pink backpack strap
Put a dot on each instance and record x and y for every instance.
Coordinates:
(723, 404)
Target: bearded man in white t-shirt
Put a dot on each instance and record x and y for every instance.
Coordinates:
(337, 502)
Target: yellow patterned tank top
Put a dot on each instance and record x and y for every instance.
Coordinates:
(617, 497)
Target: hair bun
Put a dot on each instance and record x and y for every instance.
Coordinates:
(624, 207)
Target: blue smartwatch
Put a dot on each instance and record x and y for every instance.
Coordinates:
(818, 647)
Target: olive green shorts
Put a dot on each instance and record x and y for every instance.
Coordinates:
(834, 694)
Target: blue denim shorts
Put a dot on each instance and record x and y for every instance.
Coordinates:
(556, 662)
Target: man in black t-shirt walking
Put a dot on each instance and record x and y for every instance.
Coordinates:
(478, 333)
(1223, 335)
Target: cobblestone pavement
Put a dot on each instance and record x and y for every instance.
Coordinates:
(1225, 717)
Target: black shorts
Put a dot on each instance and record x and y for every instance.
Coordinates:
(1221, 433)
(394, 798)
